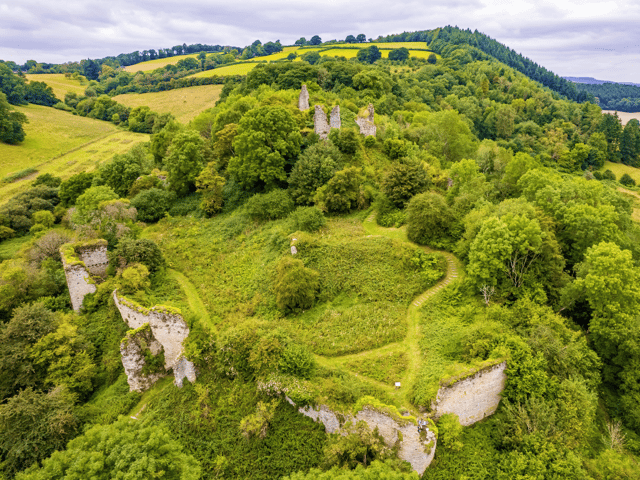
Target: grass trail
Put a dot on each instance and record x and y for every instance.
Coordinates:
(410, 344)
(193, 298)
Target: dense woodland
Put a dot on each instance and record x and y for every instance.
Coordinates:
(471, 157)
(614, 96)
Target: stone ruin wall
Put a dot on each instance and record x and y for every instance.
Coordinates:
(169, 329)
(320, 124)
(92, 261)
(303, 99)
(133, 361)
(334, 119)
(367, 127)
(418, 452)
(475, 397)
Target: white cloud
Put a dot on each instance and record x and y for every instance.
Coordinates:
(576, 37)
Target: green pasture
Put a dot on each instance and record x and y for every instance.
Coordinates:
(184, 103)
(619, 169)
(62, 144)
(59, 83)
(157, 63)
(237, 69)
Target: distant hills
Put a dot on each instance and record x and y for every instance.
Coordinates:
(595, 81)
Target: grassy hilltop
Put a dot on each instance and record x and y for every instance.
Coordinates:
(488, 219)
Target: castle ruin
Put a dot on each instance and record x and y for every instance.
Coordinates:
(85, 264)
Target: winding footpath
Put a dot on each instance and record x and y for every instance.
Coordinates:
(411, 343)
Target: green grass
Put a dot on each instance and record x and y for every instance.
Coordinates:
(62, 144)
(619, 169)
(59, 83)
(386, 367)
(9, 248)
(184, 103)
(237, 69)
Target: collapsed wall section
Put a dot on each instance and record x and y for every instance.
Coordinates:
(167, 327)
(417, 443)
(84, 264)
(474, 397)
(132, 350)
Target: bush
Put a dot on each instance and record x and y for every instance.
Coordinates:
(144, 251)
(308, 219)
(395, 148)
(609, 175)
(43, 217)
(270, 206)
(315, 167)
(627, 180)
(152, 204)
(342, 192)
(430, 220)
(295, 286)
(6, 232)
(48, 180)
(449, 432)
(346, 139)
(298, 361)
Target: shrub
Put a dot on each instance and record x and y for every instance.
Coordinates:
(43, 217)
(449, 432)
(270, 206)
(429, 219)
(296, 285)
(145, 182)
(308, 219)
(90, 200)
(346, 139)
(48, 180)
(144, 251)
(152, 204)
(342, 192)
(298, 361)
(6, 232)
(75, 186)
(395, 148)
(609, 175)
(627, 180)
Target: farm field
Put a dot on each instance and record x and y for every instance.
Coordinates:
(59, 83)
(157, 63)
(237, 69)
(61, 144)
(624, 116)
(184, 103)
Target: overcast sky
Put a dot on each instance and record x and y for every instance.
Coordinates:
(597, 39)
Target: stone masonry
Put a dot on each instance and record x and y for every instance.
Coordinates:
(320, 124)
(334, 119)
(474, 397)
(367, 127)
(303, 99)
(416, 448)
(80, 263)
(168, 328)
(133, 359)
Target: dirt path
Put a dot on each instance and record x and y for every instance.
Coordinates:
(411, 342)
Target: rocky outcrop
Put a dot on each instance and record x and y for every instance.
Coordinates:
(334, 118)
(85, 264)
(303, 99)
(367, 127)
(417, 443)
(474, 397)
(132, 350)
(167, 327)
(320, 124)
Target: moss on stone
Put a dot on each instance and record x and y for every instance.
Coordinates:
(390, 410)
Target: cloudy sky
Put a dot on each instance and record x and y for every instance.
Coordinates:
(572, 38)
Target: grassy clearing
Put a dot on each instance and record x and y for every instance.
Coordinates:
(184, 103)
(157, 63)
(386, 367)
(61, 144)
(619, 169)
(634, 197)
(9, 248)
(59, 83)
